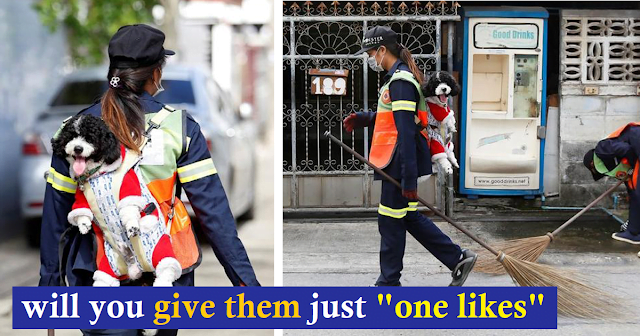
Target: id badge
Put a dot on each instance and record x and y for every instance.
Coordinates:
(153, 151)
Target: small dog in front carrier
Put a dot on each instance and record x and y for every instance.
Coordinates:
(442, 123)
(113, 199)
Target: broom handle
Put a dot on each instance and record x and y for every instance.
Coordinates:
(595, 201)
(392, 180)
(51, 332)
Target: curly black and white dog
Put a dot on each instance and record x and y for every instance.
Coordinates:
(86, 143)
(441, 85)
(437, 90)
(96, 158)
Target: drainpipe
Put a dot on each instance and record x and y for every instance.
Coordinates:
(601, 208)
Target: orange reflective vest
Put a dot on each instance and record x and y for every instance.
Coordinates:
(385, 133)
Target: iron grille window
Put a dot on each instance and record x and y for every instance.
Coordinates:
(317, 36)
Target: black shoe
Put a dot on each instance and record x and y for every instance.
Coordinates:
(399, 284)
(463, 268)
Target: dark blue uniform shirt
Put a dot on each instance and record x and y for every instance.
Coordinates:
(412, 157)
(205, 194)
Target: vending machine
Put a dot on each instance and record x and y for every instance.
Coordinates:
(502, 115)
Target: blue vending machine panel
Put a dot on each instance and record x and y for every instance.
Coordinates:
(502, 115)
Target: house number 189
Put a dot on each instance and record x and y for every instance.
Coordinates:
(321, 85)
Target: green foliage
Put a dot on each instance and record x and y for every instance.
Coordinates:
(89, 24)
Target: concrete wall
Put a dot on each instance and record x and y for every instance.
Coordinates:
(597, 57)
(32, 61)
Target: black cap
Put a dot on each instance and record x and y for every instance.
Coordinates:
(588, 162)
(376, 37)
(136, 46)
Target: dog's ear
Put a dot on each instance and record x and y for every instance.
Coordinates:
(66, 134)
(455, 88)
(107, 146)
(449, 80)
(429, 85)
(111, 148)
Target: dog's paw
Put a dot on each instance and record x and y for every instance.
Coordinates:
(84, 229)
(453, 160)
(84, 224)
(448, 170)
(133, 230)
(445, 166)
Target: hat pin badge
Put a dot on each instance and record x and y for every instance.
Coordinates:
(114, 81)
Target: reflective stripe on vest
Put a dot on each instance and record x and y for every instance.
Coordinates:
(385, 133)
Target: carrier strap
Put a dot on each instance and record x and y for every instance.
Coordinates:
(155, 123)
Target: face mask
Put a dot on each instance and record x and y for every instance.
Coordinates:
(158, 85)
(371, 60)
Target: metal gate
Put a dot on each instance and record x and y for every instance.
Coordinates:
(318, 175)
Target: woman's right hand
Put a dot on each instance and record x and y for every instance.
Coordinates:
(350, 122)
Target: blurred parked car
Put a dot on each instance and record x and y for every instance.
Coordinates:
(229, 134)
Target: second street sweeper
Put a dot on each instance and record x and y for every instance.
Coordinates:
(617, 156)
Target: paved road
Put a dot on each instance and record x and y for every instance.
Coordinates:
(339, 253)
(19, 264)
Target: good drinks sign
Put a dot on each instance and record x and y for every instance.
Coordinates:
(505, 36)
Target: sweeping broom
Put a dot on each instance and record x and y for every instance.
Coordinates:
(575, 298)
(530, 249)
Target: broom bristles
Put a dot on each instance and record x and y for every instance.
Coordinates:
(528, 249)
(575, 297)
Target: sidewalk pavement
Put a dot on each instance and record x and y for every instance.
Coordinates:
(345, 253)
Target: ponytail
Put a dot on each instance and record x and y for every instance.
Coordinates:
(404, 55)
(121, 110)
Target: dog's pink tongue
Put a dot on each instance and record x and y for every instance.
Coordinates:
(443, 98)
(79, 165)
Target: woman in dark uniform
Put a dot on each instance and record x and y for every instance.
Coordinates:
(400, 149)
(137, 56)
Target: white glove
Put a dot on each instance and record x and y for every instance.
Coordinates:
(450, 122)
(451, 155)
(84, 224)
(445, 165)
